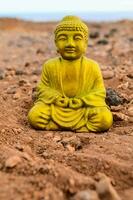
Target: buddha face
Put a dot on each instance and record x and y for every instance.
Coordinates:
(71, 44)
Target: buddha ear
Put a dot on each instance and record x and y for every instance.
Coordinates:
(56, 45)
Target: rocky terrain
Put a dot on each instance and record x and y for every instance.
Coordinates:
(47, 165)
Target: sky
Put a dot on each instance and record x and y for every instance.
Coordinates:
(15, 6)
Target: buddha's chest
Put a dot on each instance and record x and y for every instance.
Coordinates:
(70, 80)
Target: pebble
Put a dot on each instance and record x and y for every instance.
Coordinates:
(40, 51)
(113, 98)
(130, 73)
(19, 147)
(86, 195)
(19, 72)
(104, 67)
(12, 161)
(16, 95)
(37, 72)
(120, 117)
(102, 41)
(111, 32)
(131, 39)
(57, 138)
(45, 155)
(11, 90)
(130, 111)
(27, 64)
(116, 108)
(72, 144)
(70, 148)
(108, 74)
(27, 157)
(106, 165)
(130, 86)
(94, 35)
(131, 119)
(2, 74)
(123, 86)
(23, 82)
(34, 79)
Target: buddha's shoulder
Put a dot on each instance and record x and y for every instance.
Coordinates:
(90, 62)
(51, 62)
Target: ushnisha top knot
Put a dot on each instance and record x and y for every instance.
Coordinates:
(72, 23)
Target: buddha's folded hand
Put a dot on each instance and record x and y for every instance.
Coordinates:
(62, 102)
(75, 103)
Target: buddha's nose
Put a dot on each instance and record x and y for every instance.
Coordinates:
(70, 42)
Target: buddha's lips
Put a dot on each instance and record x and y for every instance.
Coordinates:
(70, 50)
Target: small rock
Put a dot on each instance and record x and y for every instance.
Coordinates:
(113, 98)
(2, 74)
(16, 96)
(130, 86)
(27, 64)
(102, 41)
(37, 72)
(23, 82)
(57, 138)
(27, 157)
(104, 67)
(44, 169)
(70, 148)
(19, 147)
(116, 108)
(106, 165)
(131, 119)
(3, 130)
(9, 68)
(94, 35)
(72, 143)
(105, 189)
(108, 74)
(11, 90)
(45, 155)
(111, 32)
(40, 51)
(120, 117)
(123, 86)
(131, 39)
(34, 79)
(86, 195)
(12, 161)
(130, 111)
(19, 72)
(130, 73)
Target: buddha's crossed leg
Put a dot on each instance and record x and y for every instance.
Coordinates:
(99, 119)
(96, 119)
(40, 117)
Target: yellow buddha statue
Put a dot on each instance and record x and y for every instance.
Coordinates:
(71, 93)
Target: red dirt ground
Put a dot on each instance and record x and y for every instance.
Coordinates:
(47, 165)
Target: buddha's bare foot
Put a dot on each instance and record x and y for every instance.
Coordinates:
(104, 188)
(82, 130)
(52, 126)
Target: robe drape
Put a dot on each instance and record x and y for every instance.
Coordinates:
(89, 90)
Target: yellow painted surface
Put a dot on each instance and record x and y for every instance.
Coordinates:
(71, 93)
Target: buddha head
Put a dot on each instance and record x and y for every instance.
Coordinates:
(71, 38)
